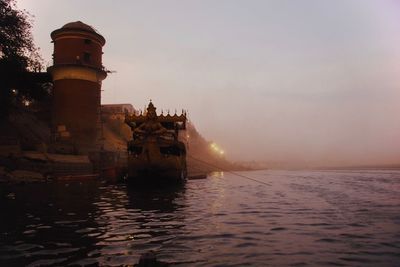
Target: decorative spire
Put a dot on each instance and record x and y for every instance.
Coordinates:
(151, 107)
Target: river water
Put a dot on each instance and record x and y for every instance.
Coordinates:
(292, 218)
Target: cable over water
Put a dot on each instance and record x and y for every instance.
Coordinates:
(231, 172)
(334, 216)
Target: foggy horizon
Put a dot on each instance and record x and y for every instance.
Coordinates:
(313, 82)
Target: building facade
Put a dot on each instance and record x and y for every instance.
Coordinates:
(116, 111)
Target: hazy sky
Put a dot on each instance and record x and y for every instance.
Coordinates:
(276, 80)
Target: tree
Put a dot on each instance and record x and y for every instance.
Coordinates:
(16, 41)
(18, 57)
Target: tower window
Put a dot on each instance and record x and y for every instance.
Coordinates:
(86, 57)
(88, 41)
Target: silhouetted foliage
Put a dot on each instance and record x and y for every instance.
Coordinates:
(19, 57)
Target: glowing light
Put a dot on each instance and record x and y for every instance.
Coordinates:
(217, 149)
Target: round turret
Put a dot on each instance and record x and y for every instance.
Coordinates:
(77, 73)
(77, 43)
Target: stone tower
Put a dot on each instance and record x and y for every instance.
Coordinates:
(77, 74)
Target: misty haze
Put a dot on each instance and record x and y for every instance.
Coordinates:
(200, 133)
(314, 82)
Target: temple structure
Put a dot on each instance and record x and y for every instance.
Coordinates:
(156, 155)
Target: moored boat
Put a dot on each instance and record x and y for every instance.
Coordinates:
(155, 153)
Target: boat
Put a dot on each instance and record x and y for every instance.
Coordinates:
(155, 153)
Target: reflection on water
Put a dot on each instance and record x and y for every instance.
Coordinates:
(42, 223)
(302, 218)
(135, 221)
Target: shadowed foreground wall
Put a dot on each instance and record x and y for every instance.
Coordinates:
(76, 105)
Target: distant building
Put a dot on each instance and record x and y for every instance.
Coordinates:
(77, 73)
(116, 111)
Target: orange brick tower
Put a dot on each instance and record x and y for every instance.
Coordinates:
(77, 73)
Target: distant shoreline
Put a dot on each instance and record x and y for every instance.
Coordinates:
(335, 168)
(377, 167)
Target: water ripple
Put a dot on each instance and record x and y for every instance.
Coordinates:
(313, 218)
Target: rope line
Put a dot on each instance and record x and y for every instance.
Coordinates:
(231, 172)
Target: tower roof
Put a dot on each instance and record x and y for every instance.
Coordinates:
(78, 25)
